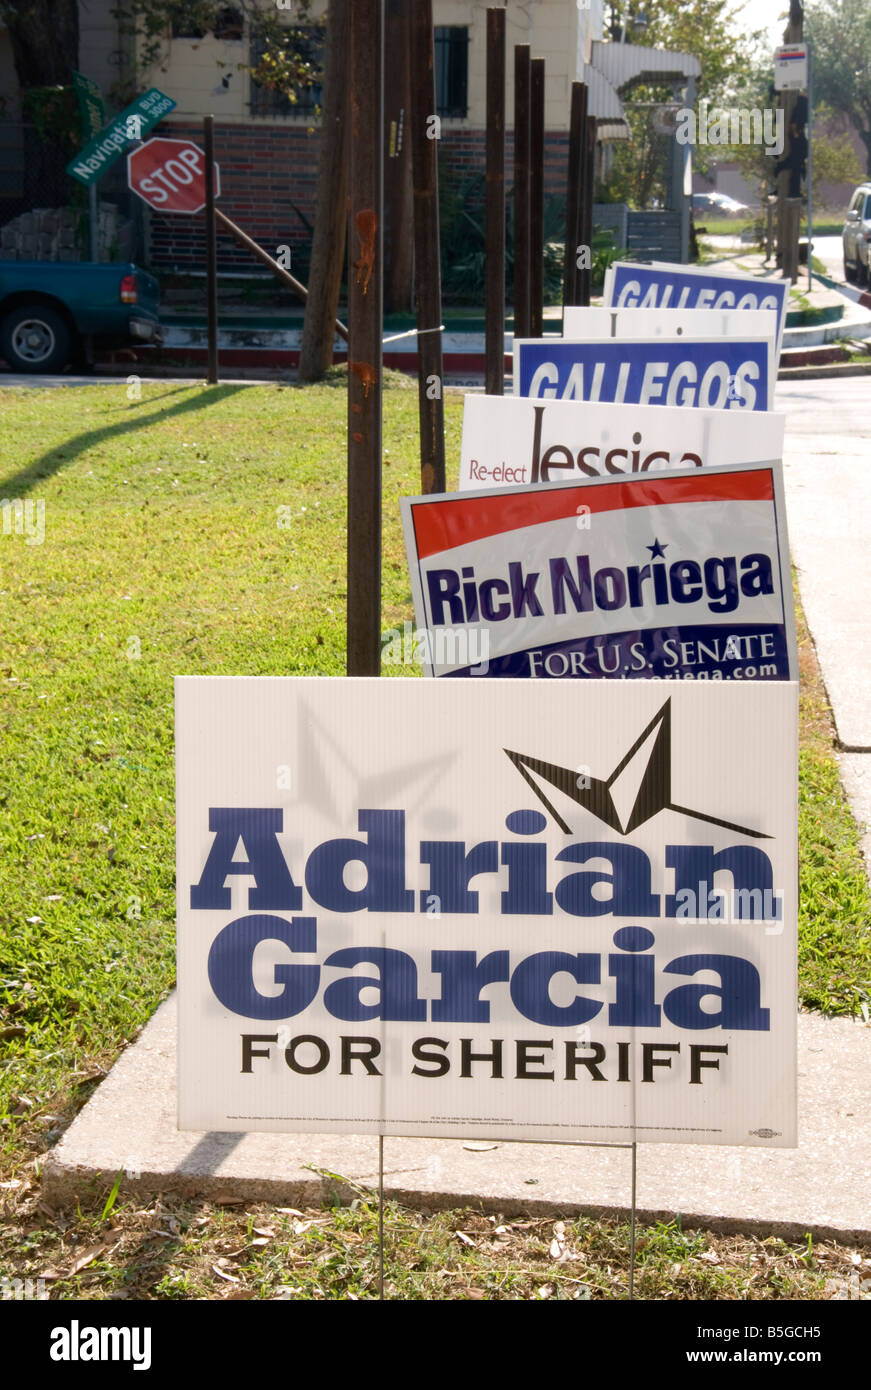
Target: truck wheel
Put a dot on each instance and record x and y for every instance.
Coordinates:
(34, 338)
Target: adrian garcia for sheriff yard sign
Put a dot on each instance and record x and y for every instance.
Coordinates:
(565, 916)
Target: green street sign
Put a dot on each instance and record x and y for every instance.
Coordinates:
(92, 108)
(128, 128)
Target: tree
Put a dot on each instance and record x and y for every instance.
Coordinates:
(328, 242)
(840, 34)
(710, 32)
(44, 35)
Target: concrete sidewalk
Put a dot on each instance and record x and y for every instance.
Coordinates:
(823, 1186)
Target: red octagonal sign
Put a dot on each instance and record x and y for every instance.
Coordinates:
(170, 175)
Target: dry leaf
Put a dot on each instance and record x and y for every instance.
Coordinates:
(300, 1226)
(13, 1182)
(231, 1279)
(288, 1211)
(545, 1291)
(710, 1256)
(13, 1031)
(263, 1231)
(467, 1240)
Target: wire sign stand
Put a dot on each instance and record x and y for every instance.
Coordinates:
(633, 1210)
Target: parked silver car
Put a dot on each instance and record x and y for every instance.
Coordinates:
(857, 236)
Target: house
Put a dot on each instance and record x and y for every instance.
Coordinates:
(267, 145)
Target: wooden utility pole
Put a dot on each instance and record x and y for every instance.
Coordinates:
(328, 244)
(494, 325)
(427, 256)
(211, 249)
(574, 186)
(522, 59)
(787, 218)
(365, 293)
(398, 198)
(536, 216)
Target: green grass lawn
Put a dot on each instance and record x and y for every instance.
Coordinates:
(201, 531)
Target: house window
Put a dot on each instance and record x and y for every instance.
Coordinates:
(452, 69)
(309, 44)
(229, 24)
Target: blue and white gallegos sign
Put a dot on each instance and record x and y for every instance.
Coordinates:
(665, 285)
(735, 374)
(570, 915)
(670, 576)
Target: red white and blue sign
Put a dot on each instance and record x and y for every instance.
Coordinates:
(713, 374)
(669, 576)
(665, 285)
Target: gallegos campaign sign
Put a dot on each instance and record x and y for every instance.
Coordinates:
(570, 914)
(600, 321)
(665, 285)
(672, 576)
(734, 374)
(513, 440)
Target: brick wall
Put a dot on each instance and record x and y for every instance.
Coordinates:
(266, 169)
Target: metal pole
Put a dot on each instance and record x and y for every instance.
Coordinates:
(427, 254)
(810, 147)
(587, 191)
(93, 223)
(522, 59)
(632, 1219)
(536, 216)
(211, 249)
(381, 1217)
(278, 270)
(365, 289)
(494, 365)
(577, 128)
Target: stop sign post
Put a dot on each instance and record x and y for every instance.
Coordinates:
(170, 175)
(176, 176)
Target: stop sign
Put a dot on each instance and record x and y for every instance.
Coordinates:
(170, 175)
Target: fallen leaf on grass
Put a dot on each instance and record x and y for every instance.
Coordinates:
(81, 1262)
(288, 1211)
(467, 1240)
(82, 1078)
(15, 1030)
(710, 1257)
(13, 1182)
(231, 1278)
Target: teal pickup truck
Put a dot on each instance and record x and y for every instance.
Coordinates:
(55, 312)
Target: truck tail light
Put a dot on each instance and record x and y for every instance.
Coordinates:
(129, 290)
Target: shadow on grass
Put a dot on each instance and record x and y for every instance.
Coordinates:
(63, 454)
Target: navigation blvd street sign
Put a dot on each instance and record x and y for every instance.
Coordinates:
(170, 175)
(130, 125)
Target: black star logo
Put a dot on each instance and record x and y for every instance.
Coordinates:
(657, 550)
(594, 795)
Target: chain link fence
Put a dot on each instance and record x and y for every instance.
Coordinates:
(44, 213)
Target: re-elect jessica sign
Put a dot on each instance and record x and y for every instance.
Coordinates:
(572, 916)
(514, 440)
(672, 576)
(664, 285)
(719, 374)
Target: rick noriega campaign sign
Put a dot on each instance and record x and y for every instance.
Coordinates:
(673, 576)
(568, 913)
